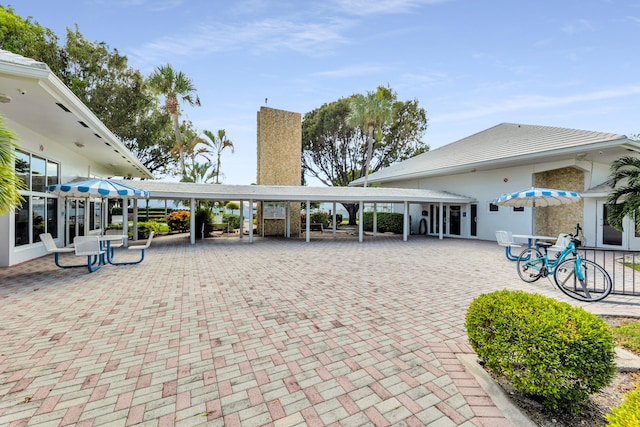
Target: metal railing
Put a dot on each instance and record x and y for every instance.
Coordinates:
(622, 266)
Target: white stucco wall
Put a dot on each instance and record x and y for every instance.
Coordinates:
(72, 164)
(485, 186)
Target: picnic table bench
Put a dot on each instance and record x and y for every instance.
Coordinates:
(312, 227)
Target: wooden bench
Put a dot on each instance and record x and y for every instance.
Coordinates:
(312, 227)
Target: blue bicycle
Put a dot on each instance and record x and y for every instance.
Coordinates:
(578, 278)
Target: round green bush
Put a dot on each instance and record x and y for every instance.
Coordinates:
(627, 414)
(547, 349)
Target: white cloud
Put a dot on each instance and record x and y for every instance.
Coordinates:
(368, 7)
(310, 38)
(356, 70)
(579, 26)
(536, 102)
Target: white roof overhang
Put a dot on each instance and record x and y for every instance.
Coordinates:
(181, 190)
(39, 101)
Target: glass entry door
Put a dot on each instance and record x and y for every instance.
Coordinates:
(607, 235)
(454, 219)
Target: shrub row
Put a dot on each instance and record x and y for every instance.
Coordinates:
(144, 229)
(386, 222)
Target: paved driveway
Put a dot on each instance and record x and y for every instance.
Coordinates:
(278, 332)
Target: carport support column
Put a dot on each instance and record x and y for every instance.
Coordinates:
(308, 222)
(375, 220)
(360, 221)
(125, 220)
(135, 219)
(251, 221)
(333, 220)
(405, 222)
(192, 221)
(241, 218)
(441, 221)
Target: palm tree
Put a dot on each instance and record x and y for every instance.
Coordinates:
(373, 112)
(175, 87)
(624, 199)
(218, 144)
(10, 182)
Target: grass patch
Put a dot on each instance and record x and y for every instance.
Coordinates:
(627, 335)
(634, 266)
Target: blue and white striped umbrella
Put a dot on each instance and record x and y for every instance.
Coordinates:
(537, 197)
(102, 188)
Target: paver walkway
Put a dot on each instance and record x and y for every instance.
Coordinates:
(278, 332)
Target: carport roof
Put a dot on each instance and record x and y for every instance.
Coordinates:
(185, 190)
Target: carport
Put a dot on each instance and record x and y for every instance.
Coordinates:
(162, 190)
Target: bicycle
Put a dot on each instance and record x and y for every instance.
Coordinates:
(578, 278)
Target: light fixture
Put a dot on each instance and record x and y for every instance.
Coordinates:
(79, 144)
(4, 98)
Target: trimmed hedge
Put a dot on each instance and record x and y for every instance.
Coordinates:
(627, 414)
(545, 348)
(387, 222)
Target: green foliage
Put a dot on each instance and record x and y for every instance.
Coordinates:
(320, 218)
(215, 145)
(145, 228)
(102, 80)
(178, 221)
(624, 199)
(387, 222)
(335, 152)
(203, 216)
(232, 206)
(233, 220)
(28, 38)
(10, 182)
(628, 336)
(545, 348)
(627, 414)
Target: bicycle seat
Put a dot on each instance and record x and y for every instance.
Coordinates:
(544, 244)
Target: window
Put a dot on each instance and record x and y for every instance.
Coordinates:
(520, 209)
(493, 208)
(39, 212)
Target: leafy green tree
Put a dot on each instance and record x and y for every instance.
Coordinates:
(29, 39)
(194, 146)
(175, 87)
(102, 80)
(624, 199)
(335, 152)
(372, 112)
(10, 182)
(217, 144)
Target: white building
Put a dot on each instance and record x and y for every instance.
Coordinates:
(511, 157)
(60, 140)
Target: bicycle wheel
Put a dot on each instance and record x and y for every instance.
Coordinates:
(531, 265)
(595, 286)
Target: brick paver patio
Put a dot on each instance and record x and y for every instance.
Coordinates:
(278, 332)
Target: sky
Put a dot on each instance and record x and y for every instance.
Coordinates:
(471, 64)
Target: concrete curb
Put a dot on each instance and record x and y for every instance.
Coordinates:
(510, 411)
(626, 361)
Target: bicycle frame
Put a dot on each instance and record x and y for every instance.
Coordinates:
(551, 264)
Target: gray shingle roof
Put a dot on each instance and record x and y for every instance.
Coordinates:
(499, 144)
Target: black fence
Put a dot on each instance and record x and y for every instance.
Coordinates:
(622, 266)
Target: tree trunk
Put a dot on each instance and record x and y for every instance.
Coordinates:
(369, 152)
(352, 209)
(176, 130)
